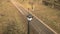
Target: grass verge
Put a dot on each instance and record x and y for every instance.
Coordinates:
(11, 21)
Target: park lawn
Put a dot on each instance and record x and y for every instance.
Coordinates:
(11, 21)
(50, 16)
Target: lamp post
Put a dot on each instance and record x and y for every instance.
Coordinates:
(29, 18)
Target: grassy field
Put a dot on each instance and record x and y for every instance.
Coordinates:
(11, 21)
(50, 16)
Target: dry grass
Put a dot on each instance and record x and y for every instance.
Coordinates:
(11, 21)
(49, 15)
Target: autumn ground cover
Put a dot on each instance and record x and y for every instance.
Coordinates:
(11, 21)
(50, 16)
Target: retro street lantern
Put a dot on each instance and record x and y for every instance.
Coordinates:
(29, 19)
